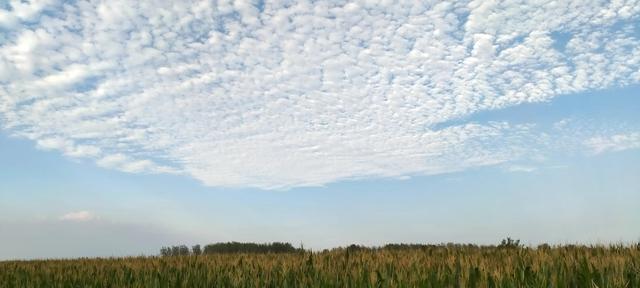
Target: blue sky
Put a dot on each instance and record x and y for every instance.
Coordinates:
(124, 128)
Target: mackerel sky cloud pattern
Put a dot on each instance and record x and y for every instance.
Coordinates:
(279, 94)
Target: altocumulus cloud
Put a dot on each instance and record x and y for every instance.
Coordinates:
(288, 93)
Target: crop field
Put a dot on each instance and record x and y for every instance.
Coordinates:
(391, 266)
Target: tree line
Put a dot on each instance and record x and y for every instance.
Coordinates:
(230, 247)
(280, 247)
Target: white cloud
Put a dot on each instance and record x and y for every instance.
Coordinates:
(617, 142)
(521, 168)
(79, 216)
(125, 163)
(281, 95)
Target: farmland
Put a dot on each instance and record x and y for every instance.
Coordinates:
(446, 265)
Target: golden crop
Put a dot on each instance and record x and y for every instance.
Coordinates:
(431, 266)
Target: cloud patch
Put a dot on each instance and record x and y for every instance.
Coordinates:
(79, 216)
(521, 168)
(295, 94)
(617, 142)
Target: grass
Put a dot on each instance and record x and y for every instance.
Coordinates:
(402, 266)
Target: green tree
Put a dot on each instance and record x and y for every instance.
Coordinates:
(196, 250)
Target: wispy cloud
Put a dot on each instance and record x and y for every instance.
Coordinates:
(281, 95)
(617, 142)
(521, 168)
(79, 216)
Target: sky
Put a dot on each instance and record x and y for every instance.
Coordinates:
(130, 125)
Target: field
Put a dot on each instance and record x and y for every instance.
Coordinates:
(393, 266)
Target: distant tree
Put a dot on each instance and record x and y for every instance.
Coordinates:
(230, 247)
(402, 246)
(237, 247)
(354, 247)
(544, 246)
(196, 250)
(183, 250)
(509, 243)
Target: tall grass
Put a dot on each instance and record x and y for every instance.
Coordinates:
(430, 266)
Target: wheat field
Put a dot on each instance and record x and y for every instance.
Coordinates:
(402, 266)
